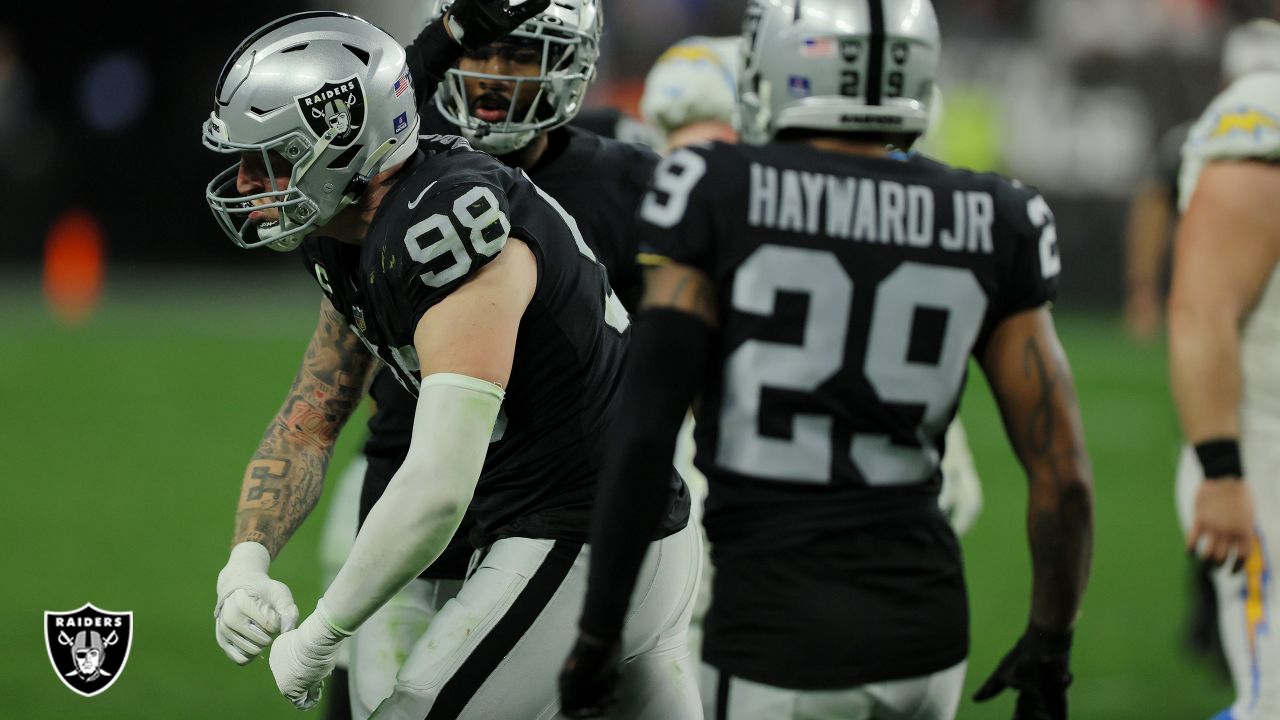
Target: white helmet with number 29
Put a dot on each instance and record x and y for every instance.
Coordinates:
(848, 66)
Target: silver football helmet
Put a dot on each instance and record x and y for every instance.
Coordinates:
(566, 38)
(330, 95)
(837, 65)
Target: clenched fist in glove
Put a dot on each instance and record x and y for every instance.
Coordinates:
(252, 608)
(301, 659)
(476, 23)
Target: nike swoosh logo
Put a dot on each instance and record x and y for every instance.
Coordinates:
(418, 199)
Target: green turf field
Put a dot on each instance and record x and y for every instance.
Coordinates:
(124, 440)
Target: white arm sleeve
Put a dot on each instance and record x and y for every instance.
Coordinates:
(413, 521)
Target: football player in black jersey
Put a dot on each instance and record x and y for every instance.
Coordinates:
(527, 86)
(480, 293)
(822, 299)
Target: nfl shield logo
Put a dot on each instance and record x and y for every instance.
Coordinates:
(88, 647)
(336, 107)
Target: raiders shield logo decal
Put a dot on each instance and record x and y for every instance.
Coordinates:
(336, 106)
(88, 647)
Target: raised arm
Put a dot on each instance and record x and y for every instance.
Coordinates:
(1028, 372)
(1226, 249)
(467, 25)
(283, 483)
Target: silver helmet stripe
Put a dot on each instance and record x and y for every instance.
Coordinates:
(262, 32)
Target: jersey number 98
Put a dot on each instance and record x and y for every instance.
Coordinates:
(475, 213)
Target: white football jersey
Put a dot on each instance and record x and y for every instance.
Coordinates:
(1243, 123)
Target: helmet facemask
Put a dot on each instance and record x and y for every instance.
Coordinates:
(563, 59)
(295, 212)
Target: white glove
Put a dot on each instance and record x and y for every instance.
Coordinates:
(252, 608)
(961, 496)
(301, 659)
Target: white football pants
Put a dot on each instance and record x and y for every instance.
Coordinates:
(1247, 604)
(495, 650)
(930, 697)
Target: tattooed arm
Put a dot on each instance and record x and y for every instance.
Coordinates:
(1028, 372)
(283, 481)
(282, 485)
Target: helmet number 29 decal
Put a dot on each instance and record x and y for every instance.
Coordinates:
(851, 75)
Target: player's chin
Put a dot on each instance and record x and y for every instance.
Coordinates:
(265, 219)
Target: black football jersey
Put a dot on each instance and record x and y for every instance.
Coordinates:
(599, 182)
(852, 293)
(611, 122)
(446, 217)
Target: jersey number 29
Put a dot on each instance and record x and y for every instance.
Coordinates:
(888, 368)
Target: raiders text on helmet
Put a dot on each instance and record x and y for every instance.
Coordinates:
(837, 65)
(331, 94)
(567, 35)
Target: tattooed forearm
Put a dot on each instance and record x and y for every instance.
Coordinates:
(284, 479)
(1060, 513)
(1039, 430)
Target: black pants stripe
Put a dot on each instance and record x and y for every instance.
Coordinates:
(464, 684)
(722, 696)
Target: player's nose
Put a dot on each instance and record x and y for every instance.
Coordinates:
(496, 64)
(250, 178)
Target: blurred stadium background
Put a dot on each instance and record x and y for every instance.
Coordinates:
(141, 354)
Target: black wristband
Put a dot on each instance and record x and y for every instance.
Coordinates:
(1220, 459)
